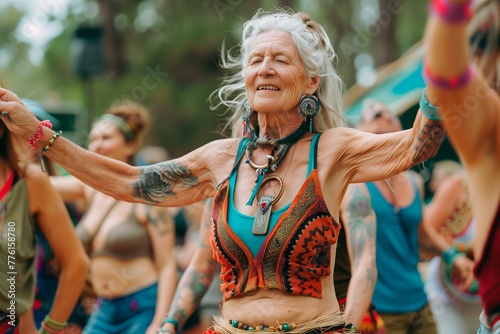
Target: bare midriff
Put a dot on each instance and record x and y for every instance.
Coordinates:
(113, 278)
(268, 307)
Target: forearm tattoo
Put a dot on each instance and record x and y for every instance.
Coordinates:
(158, 181)
(191, 289)
(361, 222)
(429, 141)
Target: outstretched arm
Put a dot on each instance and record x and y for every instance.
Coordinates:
(360, 226)
(178, 182)
(195, 280)
(367, 157)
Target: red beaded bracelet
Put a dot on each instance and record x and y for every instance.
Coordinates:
(38, 134)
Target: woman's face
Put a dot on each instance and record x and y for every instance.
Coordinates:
(275, 77)
(107, 139)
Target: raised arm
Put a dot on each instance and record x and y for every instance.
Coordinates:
(195, 280)
(470, 107)
(55, 224)
(367, 157)
(360, 225)
(178, 182)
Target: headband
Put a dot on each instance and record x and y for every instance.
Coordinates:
(120, 123)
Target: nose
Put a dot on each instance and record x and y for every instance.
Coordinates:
(266, 67)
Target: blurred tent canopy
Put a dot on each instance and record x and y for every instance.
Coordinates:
(399, 85)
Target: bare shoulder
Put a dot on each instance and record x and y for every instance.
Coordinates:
(35, 177)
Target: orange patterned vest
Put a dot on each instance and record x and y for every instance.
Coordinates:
(294, 255)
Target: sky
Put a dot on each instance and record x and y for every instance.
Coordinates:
(42, 21)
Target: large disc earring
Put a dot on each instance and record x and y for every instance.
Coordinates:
(246, 110)
(308, 108)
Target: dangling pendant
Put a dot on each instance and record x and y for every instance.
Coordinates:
(263, 216)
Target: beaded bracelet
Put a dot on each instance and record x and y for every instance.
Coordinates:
(38, 134)
(449, 83)
(46, 148)
(429, 110)
(452, 12)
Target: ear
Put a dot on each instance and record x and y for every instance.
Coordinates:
(313, 84)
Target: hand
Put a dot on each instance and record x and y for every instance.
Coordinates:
(462, 272)
(16, 116)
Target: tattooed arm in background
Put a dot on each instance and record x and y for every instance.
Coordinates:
(195, 280)
(161, 230)
(360, 226)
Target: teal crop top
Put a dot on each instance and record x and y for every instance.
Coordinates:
(242, 224)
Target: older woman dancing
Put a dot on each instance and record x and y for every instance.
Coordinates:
(469, 102)
(277, 191)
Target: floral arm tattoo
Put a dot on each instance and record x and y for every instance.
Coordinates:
(429, 140)
(158, 181)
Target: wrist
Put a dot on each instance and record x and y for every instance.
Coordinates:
(429, 110)
(450, 254)
(170, 323)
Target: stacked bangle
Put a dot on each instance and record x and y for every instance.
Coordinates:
(170, 321)
(452, 12)
(50, 326)
(449, 255)
(429, 110)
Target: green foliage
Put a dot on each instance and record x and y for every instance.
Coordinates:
(171, 54)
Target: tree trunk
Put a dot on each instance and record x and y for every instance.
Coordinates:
(385, 49)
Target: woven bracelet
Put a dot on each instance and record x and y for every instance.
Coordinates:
(451, 12)
(453, 82)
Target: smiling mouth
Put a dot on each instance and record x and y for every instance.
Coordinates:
(268, 88)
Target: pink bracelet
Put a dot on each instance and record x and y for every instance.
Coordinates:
(450, 83)
(452, 12)
(38, 134)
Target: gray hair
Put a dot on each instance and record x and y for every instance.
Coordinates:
(316, 52)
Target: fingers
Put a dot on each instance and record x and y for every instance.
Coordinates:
(8, 96)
